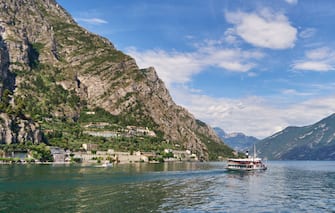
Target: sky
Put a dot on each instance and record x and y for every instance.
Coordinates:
(250, 66)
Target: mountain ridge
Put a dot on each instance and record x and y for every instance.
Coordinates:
(53, 72)
(311, 142)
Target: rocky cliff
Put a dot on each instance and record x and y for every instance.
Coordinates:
(15, 130)
(52, 70)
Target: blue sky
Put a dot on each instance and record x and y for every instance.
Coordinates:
(246, 66)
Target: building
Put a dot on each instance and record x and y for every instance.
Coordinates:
(148, 156)
(90, 147)
(58, 154)
(21, 155)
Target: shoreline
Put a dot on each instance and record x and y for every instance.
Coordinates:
(93, 163)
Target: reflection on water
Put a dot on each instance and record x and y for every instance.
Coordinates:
(170, 187)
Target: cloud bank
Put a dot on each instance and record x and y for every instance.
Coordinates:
(254, 116)
(180, 67)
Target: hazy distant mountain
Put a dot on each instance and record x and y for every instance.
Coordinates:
(237, 141)
(314, 142)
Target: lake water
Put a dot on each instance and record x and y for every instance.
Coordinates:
(287, 186)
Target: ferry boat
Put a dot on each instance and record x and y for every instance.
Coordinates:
(246, 164)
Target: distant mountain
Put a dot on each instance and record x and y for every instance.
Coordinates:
(314, 142)
(237, 141)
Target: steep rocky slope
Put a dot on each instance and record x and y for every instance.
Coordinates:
(53, 71)
(314, 142)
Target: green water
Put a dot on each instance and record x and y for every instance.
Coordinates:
(171, 187)
(61, 188)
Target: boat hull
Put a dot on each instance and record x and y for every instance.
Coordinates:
(246, 169)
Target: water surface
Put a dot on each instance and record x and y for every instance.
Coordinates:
(287, 186)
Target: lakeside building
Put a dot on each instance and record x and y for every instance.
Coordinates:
(20, 155)
(105, 134)
(184, 155)
(90, 147)
(58, 154)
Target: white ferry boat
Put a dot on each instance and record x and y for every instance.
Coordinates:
(246, 164)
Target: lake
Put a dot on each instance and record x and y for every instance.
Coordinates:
(287, 186)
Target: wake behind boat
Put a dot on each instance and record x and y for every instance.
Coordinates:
(246, 164)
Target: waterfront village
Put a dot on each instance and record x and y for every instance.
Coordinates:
(90, 155)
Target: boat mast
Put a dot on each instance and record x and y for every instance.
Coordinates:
(254, 150)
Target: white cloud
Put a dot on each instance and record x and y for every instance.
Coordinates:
(253, 115)
(230, 36)
(313, 66)
(174, 67)
(320, 60)
(230, 59)
(296, 93)
(180, 67)
(93, 21)
(322, 86)
(307, 33)
(264, 29)
(320, 53)
(292, 1)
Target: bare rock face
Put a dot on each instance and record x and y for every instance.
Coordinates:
(51, 66)
(18, 131)
(28, 131)
(6, 135)
(4, 63)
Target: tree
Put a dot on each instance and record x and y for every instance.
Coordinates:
(42, 153)
(4, 102)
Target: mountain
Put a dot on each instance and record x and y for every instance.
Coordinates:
(238, 141)
(314, 142)
(57, 80)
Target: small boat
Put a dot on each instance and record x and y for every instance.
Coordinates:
(246, 164)
(106, 164)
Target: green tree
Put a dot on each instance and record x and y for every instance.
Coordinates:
(5, 99)
(41, 152)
